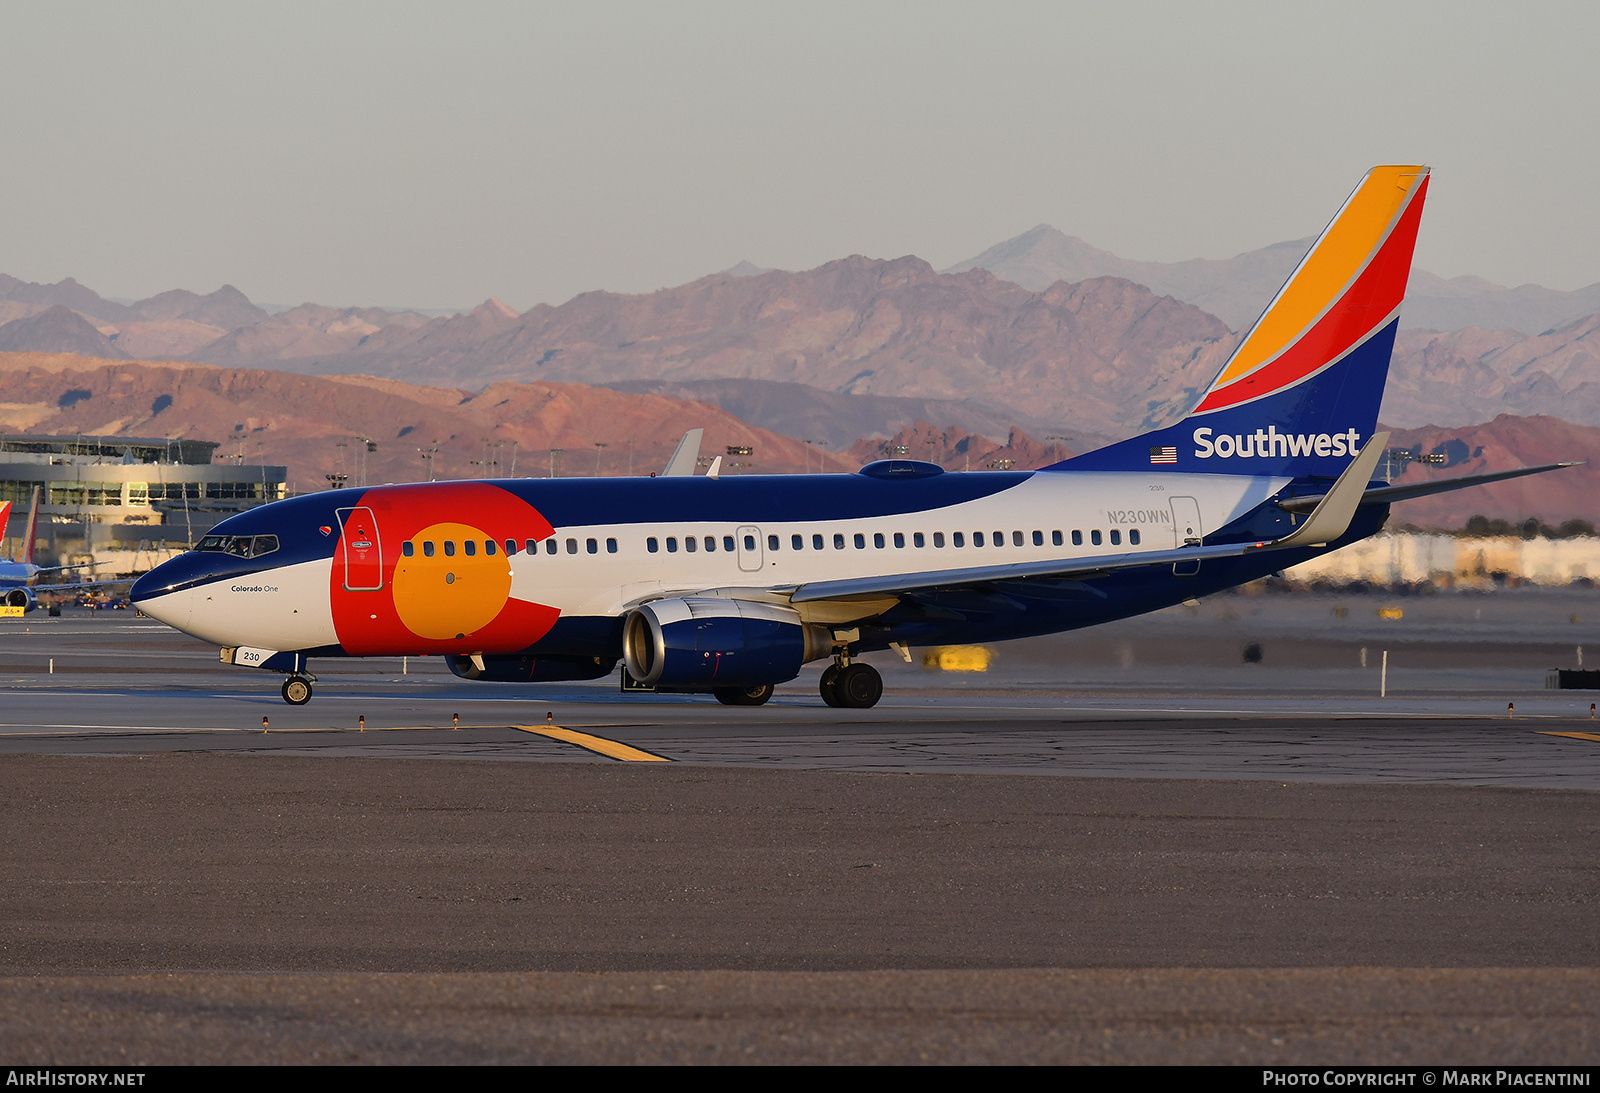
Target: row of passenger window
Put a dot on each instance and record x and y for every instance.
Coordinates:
(880, 541)
(491, 548)
(692, 544)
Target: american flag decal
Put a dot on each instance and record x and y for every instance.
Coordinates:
(1163, 455)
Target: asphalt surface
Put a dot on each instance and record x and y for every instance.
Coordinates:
(1128, 846)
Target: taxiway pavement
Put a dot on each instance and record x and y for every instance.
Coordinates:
(1225, 861)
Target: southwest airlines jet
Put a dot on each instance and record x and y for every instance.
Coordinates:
(727, 586)
(18, 575)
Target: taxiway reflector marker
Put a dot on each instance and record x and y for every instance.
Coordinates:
(600, 744)
(1575, 735)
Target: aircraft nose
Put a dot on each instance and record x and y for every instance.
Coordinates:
(158, 593)
(166, 592)
(153, 584)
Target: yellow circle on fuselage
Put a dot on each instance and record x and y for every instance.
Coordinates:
(446, 595)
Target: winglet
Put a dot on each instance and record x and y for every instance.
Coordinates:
(715, 470)
(682, 463)
(1331, 518)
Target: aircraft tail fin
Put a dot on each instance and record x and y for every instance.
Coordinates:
(1300, 395)
(30, 532)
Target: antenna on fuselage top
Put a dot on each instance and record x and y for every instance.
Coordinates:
(684, 459)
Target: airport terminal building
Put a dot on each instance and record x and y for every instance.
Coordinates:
(124, 502)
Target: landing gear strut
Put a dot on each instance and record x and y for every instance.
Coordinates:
(297, 690)
(851, 686)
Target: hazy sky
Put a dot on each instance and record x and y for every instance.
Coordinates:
(436, 154)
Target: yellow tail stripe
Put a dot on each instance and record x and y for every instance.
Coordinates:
(598, 744)
(1335, 258)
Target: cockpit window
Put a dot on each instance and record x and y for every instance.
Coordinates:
(240, 546)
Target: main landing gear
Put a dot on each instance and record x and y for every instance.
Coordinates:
(852, 686)
(744, 696)
(297, 690)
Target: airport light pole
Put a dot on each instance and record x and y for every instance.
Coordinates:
(367, 445)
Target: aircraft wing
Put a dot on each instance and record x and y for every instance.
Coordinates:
(82, 586)
(74, 565)
(1075, 569)
(1329, 519)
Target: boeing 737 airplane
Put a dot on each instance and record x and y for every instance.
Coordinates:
(728, 585)
(17, 575)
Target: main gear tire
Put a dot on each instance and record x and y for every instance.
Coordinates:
(830, 676)
(744, 696)
(858, 687)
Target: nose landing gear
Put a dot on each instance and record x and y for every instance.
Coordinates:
(297, 690)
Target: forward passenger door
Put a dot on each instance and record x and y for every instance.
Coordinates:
(361, 550)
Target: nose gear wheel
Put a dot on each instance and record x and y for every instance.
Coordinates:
(297, 690)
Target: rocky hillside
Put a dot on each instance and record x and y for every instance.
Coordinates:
(1501, 444)
(297, 420)
(301, 421)
(1468, 375)
(855, 348)
(1086, 352)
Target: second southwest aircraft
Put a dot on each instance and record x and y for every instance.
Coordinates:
(729, 585)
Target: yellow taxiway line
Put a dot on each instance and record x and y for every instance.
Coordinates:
(599, 744)
(1574, 735)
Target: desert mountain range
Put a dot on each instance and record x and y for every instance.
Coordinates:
(311, 425)
(1237, 289)
(857, 347)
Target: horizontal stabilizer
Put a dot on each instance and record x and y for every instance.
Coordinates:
(1387, 494)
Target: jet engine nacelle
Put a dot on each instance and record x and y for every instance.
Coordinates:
(21, 597)
(698, 642)
(520, 668)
